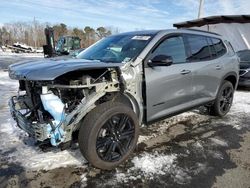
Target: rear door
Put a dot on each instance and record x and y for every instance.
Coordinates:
(168, 88)
(207, 67)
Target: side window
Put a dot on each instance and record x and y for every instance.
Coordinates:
(199, 48)
(174, 47)
(219, 46)
(212, 48)
(230, 48)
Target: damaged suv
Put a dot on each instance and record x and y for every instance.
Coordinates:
(119, 83)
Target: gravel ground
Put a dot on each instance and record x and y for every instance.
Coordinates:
(188, 150)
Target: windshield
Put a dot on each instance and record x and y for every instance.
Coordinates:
(116, 49)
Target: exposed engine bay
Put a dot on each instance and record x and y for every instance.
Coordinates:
(53, 110)
(59, 105)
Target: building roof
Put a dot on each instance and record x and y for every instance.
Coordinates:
(214, 20)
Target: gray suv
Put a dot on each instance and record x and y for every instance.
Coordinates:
(101, 97)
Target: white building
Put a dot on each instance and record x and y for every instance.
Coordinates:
(234, 28)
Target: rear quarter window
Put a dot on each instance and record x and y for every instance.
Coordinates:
(219, 46)
(231, 51)
(213, 52)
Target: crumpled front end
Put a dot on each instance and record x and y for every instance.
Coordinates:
(19, 112)
(52, 110)
(43, 124)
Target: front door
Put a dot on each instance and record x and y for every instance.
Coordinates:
(168, 88)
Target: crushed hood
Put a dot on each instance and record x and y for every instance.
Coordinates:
(49, 69)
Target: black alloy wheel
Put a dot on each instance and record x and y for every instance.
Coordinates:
(224, 100)
(108, 135)
(114, 137)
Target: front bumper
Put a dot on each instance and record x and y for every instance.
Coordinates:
(21, 115)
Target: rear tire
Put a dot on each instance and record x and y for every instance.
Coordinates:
(224, 100)
(108, 135)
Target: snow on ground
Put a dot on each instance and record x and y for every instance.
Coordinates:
(7, 58)
(239, 110)
(241, 103)
(147, 165)
(154, 164)
(15, 55)
(219, 142)
(6, 82)
(23, 151)
(17, 147)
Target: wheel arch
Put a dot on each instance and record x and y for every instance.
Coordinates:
(231, 77)
(134, 104)
(124, 98)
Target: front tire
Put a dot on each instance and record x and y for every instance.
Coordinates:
(224, 100)
(108, 135)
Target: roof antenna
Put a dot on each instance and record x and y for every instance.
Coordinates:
(200, 14)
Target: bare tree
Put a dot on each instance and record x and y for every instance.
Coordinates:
(60, 30)
(4, 36)
(32, 33)
(102, 32)
(79, 33)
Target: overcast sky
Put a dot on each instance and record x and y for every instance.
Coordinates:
(124, 14)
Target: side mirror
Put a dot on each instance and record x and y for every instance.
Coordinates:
(160, 60)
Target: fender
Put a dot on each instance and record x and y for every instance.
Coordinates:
(235, 75)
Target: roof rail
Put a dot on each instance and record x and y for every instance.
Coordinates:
(201, 31)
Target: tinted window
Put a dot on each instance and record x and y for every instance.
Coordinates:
(219, 46)
(173, 47)
(199, 48)
(230, 48)
(212, 48)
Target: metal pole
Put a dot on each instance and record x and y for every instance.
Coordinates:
(200, 14)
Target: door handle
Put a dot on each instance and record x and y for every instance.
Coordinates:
(185, 72)
(218, 67)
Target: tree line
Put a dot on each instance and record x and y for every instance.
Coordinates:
(32, 33)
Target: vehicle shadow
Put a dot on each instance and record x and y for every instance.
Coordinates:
(12, 174)
(202, 155)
